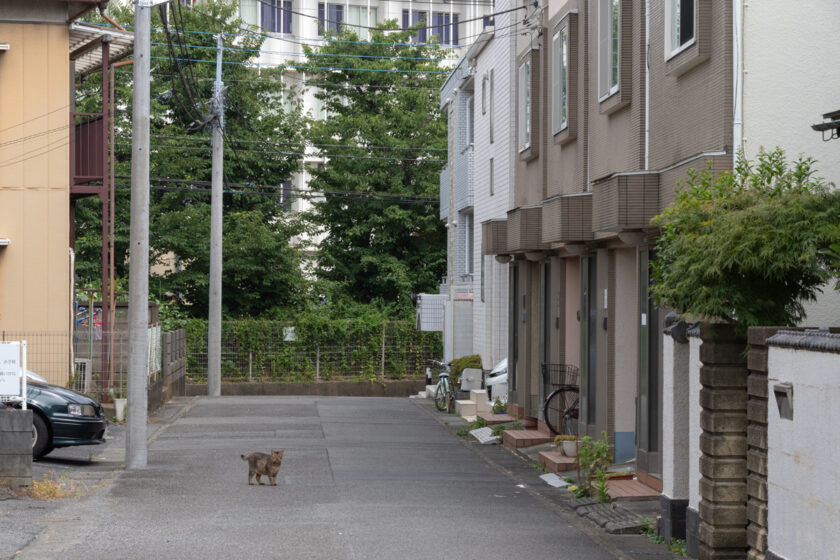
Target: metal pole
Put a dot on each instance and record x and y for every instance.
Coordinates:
(138, 281)
(214, 323)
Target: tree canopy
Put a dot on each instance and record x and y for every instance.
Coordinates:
(749, 246)
(384, 140)
(263, 146)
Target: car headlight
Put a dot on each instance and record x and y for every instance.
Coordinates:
(81, 410)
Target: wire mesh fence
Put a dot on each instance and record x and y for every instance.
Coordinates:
(279, 352)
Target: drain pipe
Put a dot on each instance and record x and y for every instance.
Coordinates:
(737, 77)
(647, 85)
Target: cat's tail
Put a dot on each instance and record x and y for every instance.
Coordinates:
(243, 457)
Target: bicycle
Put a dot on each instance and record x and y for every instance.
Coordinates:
(445, 390)
(561, 408)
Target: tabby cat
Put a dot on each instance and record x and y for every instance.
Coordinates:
(260, 464)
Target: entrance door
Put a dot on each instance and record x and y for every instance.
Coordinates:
(649, 440)
(589, 345)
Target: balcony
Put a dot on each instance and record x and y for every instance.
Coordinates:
(567, 219)
(524, 230)
(625, 202)
(494, 237)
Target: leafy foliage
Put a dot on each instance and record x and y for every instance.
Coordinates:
(263, 147)
(747, 247)
(594, 456)
(379, 247)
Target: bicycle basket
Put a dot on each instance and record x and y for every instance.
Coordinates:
(555, 375)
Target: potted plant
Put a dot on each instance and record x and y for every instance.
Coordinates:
(568, 444)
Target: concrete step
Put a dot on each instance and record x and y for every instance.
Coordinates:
(430, 391)
(479, 397)
(465, 408)
(493, 419)
(554, 461)
(516, 439)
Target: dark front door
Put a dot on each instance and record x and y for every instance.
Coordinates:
(589, 345)
(648, 409)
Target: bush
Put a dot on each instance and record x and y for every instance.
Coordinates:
(749, 246)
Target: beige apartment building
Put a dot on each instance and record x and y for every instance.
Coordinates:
(49, 156)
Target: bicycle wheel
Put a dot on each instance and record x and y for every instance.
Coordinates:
(561, 411)
(440, 396)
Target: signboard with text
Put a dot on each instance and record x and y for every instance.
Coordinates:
(11, 370)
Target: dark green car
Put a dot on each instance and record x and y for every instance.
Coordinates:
(62, 417)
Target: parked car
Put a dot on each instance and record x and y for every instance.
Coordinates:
(61, 417)
(497, 381)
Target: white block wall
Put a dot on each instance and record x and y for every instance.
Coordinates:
(803, 486)
(675, 421)
(694, 430)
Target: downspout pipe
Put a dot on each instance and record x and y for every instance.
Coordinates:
(737, 77)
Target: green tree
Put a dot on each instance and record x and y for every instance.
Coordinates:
(384, 102)
(748, 246)
(263, 147)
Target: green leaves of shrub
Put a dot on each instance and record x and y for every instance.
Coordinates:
(749, 246)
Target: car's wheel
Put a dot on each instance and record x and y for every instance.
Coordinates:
(40, 437)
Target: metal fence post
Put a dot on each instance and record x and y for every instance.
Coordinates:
(250, 364)
(317, 362)
(382, 372)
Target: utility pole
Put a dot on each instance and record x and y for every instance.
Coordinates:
(451, 224)
(214, 322)
(138, 281)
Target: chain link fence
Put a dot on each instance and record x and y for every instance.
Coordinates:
(281, 352)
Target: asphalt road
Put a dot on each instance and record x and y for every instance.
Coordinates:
(362, 478)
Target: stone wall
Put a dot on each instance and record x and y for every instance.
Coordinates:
(723, 444)
(15, 449)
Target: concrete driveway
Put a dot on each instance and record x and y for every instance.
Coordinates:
(362, 478)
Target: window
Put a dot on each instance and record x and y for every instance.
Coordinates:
(560, 80)
(416, 18)
(488, 22)
(276, 16)
(445, 29)
(330, 18)
(608, 18)
(484, 80)
(491, 105)
(248, 12)
(468, 243)
(360, 18)
(679, 21)
(470, 121)
(286, 196)
(491, 180)
(524, 105)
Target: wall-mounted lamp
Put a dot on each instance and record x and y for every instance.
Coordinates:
(5, 241)
(503, 259)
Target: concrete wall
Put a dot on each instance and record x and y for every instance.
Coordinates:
(803, 452)
(626, 314)
(693, 389)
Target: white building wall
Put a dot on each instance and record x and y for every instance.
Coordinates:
(490, 314)
(803, 486)
(789, 80)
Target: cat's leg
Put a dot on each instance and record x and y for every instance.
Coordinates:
(259, 480)
(250, 478)
(272, 480)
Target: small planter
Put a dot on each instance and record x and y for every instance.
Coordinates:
(569, 448)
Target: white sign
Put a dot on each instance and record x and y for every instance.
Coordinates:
(10, 370)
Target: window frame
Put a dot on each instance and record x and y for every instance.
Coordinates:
(560, 79)
(569, 23)
(524, 105)
(605, 93)
(670, 50)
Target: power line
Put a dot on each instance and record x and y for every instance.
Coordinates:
(296, 67)
(296, 154)
(292, 53)
(244, 141)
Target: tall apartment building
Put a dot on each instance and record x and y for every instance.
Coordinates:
(291, 24)
(613, 102)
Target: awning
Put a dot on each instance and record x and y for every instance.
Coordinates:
(85, 46)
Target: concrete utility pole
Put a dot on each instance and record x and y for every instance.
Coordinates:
(138, 281)
(214, 321)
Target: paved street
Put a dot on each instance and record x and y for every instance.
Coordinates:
(371, 478)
